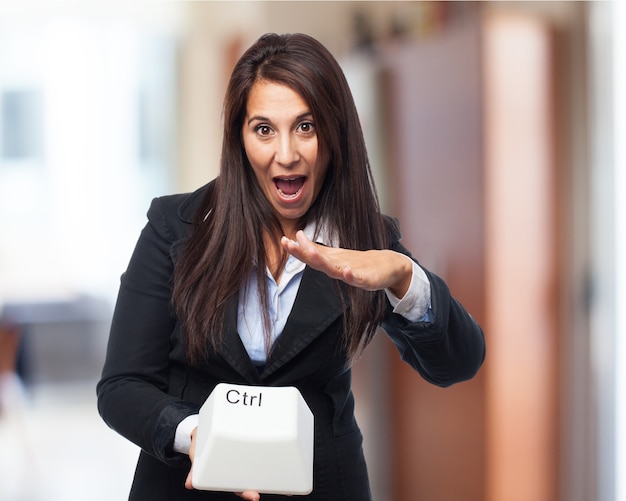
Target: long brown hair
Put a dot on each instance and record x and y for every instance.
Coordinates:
(227, 235)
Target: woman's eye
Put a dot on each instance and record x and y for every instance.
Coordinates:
(306, 127)
(264, 130)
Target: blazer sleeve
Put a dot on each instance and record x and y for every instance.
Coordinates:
(448, 349)
(132, 392)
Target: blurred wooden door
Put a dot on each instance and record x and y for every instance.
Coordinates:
(473, 182)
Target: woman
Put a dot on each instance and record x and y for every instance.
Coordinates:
(276, 273)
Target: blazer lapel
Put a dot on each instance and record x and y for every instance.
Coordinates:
(316, 307)
(232, 348)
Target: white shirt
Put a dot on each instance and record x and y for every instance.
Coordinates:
(414, 306)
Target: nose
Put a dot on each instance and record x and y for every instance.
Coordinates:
(287, 153)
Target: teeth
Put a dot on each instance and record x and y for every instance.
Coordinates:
(288, 195)
(289, 187)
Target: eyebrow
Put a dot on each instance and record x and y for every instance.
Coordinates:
(261, 118)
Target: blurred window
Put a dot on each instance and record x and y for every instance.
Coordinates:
(87, 139)
(21, 124)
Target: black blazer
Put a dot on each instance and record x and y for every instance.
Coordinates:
(147, 387)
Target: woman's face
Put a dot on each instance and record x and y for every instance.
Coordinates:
(280, 140)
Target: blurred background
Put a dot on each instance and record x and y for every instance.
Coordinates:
(496, 131)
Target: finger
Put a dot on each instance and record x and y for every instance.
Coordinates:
(303, 240)
(188, 483)
(192, 451)
(303, 249)
(325, 259)
(249, 495)
(304, 246)
(289, 245)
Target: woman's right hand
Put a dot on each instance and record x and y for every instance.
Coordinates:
(248, 495)
(192, 451)
(369, 270)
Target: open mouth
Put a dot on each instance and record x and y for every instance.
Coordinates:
(289, 187)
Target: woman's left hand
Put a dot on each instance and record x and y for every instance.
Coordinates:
(249, 495)
(369, 270)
